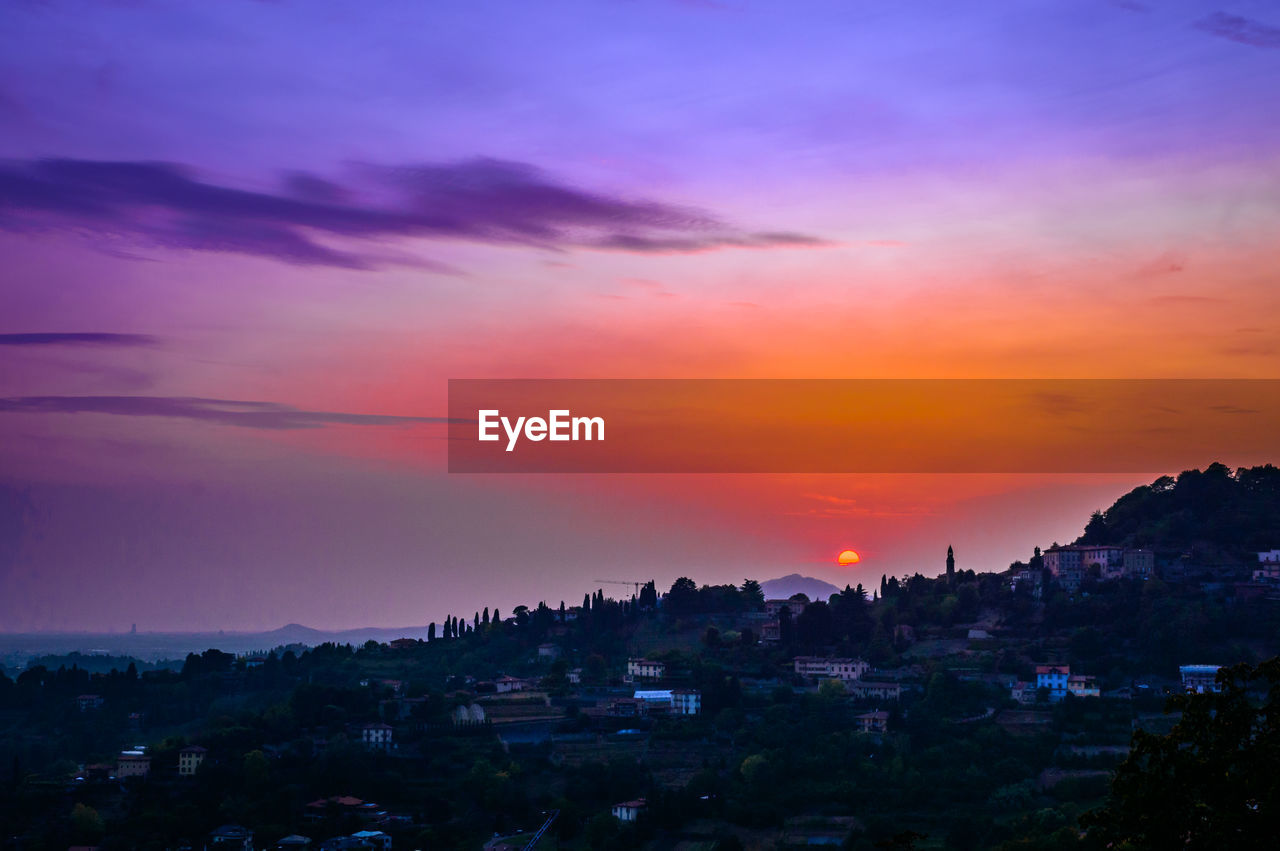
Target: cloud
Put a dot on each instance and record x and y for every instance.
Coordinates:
(478, 200)
(263, 415)
(1240, 29)
(76, 339)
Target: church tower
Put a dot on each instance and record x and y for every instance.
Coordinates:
(951, 564)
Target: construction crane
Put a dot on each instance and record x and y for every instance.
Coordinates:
(635, 584)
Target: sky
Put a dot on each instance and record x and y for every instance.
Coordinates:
(246, 244)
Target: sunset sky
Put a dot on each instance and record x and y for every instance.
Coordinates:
(246, 244)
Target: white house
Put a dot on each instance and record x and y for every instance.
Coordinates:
(646, 669)
(377, 736)
(822, 667)
(686, 701)
(628, 811)
(189, 759)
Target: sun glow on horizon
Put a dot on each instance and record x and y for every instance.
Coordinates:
(848, 557)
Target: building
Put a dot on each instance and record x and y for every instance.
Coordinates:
(506, 684)
(548, 651)
(1023, 692)
(89, 702)
(189, 760)
(1200, 679)
(377, 736)
(872, 722)
(133, 764)
(292, 841)
(773, 608)
(1268, 570)
(821, 667)
(1080, 685)
(771, 631)
(865, 690)
(1071, 564)
(686, 701)
(646, 669)
(230, 837)
(1054, 678)
(403, 643)
(629, 811)
(374, 839)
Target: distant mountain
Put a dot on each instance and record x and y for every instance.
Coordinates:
(787, 586)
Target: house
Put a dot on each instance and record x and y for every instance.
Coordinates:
(773, 607)
(626, 707)
(821, 667)
(865, 690)
(686, 701)
(1070, 564)
(374, 839)
(1023, 692)
(629, 811)
(575, 676)
(1268, 570)
(377, 736)
(508, 684)
(230, 837)
(1054, 678)
(293, 841)
(1080, 685)
(89, 702)
(1200, 679)
(771, 631)
(133, 764)
(190, 759)
(646, 669)
(345, 804)
(256, 660)
(403, 643)
(872, 722)
(549, 651)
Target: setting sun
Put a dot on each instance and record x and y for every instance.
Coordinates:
(848, 557)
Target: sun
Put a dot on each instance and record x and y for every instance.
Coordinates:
(848, 557)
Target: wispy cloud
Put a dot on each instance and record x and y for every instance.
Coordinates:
(1240, 29)
(262, 415)
(479, 200)
(88, 338)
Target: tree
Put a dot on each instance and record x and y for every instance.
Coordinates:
(752, 595)
(431, 631)
(683, 596)
(1211, 781)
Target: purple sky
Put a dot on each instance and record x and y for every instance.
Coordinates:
(246, 243)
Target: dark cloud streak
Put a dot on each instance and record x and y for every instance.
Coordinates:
(1240, 30)
(261, 415)
(77, 339)
(479, 200)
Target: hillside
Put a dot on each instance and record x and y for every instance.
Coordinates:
(1216, 513)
